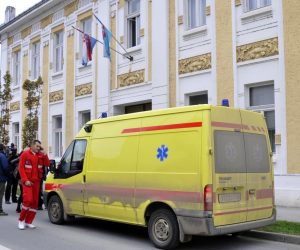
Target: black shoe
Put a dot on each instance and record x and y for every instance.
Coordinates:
(40, 208)
(18, 210)
(3, 213)
(7, 202)
(15, 200)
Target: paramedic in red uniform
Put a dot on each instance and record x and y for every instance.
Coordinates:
(29, 172)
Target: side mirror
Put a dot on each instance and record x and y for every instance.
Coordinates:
(52, 167)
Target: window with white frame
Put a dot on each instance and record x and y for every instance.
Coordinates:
(84, 117)
(16, 134)
(86, 26)
(35, 68)
(133, 23)
(57, 136)
(16, 68)
(58, 51)
(262, 100)
(250, 5)
(196, 16)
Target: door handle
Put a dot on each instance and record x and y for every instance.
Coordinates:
(84, 179)
(251, 191)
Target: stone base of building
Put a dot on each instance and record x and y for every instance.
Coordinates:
(287, 190)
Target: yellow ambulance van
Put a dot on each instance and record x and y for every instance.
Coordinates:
(196, 170)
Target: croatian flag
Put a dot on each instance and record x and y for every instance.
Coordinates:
(106, 34)
(87, 49)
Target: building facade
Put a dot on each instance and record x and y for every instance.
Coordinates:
(185, 52)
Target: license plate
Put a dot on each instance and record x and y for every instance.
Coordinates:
(229, 197)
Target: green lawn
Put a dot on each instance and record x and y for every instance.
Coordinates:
(283, 227)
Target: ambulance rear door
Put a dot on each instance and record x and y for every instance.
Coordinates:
(258, 164)
(229, 174)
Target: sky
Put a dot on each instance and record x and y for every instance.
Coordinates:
(20, 5)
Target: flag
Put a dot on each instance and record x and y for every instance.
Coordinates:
(87, 48)
(106, 34)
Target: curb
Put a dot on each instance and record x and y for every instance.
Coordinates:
(286, 238)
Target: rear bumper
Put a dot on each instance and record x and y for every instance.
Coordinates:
(205, 226)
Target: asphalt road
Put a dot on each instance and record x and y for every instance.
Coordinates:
(96, 234)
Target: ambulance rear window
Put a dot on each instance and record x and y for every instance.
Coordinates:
(257, 157)
(229, 152)
(237, 152)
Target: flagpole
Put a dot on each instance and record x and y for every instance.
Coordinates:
(128, 57)
(131, 58)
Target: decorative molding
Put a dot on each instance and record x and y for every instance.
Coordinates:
(46, 21)
(142, 32)
(180, 20)
(278, 139)
(84, 89)
(70, 8)
(257, 50)
(238, 2)
(207, 11)
(25, 32)
(70, 32)
(25, 52)
(121, 39)
(46, 43)
(14, 106)
(10, 40)
(56, 96)
(131, 78)
(121, 4)
(196, 63)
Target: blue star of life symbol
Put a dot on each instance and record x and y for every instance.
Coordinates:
(162, 153)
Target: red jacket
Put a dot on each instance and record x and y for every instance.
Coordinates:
(42, 162)
(28, 166)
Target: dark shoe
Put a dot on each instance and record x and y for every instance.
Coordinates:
(7, 202)
(18, 210)
(15, 201)
(40, 208)
(3, 213)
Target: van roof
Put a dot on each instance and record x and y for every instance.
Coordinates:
(160, 112)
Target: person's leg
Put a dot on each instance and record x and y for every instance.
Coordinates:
(2, 189)
(34, 205)
(40, 206)
(27, 202)
(20, 199)
(14, 197)
(8, 191)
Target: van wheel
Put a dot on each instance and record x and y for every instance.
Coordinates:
(163, 229)
(56, 210)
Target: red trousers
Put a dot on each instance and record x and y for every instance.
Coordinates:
(30, 202)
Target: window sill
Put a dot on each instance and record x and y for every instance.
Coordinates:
(194, 31)
(257, 12)
(81, 67)
(16, 87)
(134, 49)
(57, 74)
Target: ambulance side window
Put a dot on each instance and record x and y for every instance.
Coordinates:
(73, 159)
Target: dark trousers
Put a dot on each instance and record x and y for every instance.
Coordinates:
(2, 188)
(20, 200)
(41, 200)
(11, 189)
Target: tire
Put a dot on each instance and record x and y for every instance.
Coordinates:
(56, 210)
(163, 229)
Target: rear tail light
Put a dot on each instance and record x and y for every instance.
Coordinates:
(208, 197)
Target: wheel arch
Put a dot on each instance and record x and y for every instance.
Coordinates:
(155, 206)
